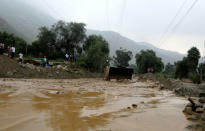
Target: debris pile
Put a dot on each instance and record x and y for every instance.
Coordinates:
(195, 110)
(10, 68)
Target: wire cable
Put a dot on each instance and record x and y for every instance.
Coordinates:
(180, 21)
(107, 14)
(124, 4)
(172, 21)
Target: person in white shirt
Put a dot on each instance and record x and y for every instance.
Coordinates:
(13, 50)
(66, 56)
(20, 57)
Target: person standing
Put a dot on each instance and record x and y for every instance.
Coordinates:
(21, 58)
(9, 50)
(13, 50)
(1, 48)
(66, 56)
(42, 62)
(45, 61)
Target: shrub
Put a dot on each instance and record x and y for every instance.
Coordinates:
(195, 78)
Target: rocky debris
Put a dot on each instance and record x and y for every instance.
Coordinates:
(176, 85)
(55, 92)
(134, 105)
(199, 110)
(188, 110)
(30, 66)
(161, 87)
(192, 117)
(195, 109)
(128, 108)
(10, 68)
(196, 127)
(202, 99)
(187, 91)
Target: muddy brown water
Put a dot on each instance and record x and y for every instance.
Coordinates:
(88, 105)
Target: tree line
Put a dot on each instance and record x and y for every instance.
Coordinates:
(93, 51)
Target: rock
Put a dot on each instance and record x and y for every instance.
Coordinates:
(203, 117)
(38, 69)
(202, 95)
(189, 105)
(9, 73)
(142, 102)
(134, 105)
(157, 82)
(199, 110)
(192, 117)
(195, 103)
(188, 110)
(30, 66)
(65, 68)
(59, 67)
(202, 99)
(129, 108)
(53, 92)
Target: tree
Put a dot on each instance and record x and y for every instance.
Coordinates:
(61, 38)
(46, 42)
(181, 68)
(202, 68)
(11, 40)
(169, 68)
(70, 36)
(123, 57)
(96, 51)
(147, 59)
(193, 59)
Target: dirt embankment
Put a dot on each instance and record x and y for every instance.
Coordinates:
(180, 87)
(10, 68)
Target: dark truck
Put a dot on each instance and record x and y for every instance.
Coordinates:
(114, 71)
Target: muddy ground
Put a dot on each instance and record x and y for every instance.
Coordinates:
(89, 104)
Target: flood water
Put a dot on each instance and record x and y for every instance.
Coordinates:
(88, 105)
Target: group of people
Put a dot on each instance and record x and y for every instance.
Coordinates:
(70, 58)
(11, 51)
(45, 62)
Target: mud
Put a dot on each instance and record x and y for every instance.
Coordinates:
(88, 104)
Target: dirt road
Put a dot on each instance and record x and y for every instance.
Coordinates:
(88, 104)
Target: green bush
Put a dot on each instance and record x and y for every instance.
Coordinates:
(81, 62)
(195, 78)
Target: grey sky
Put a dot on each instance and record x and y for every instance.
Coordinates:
(140, 20)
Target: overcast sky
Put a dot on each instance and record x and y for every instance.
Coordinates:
(139, 20)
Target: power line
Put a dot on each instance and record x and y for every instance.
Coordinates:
(181, 20)
(107, 14)
(173, 20)
(121, 18)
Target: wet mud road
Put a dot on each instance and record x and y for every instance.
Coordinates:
(88, 104)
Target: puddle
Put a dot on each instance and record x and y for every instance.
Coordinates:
(91, 105)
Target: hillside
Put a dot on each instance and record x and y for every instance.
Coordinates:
(116, 41)
(22, 19)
